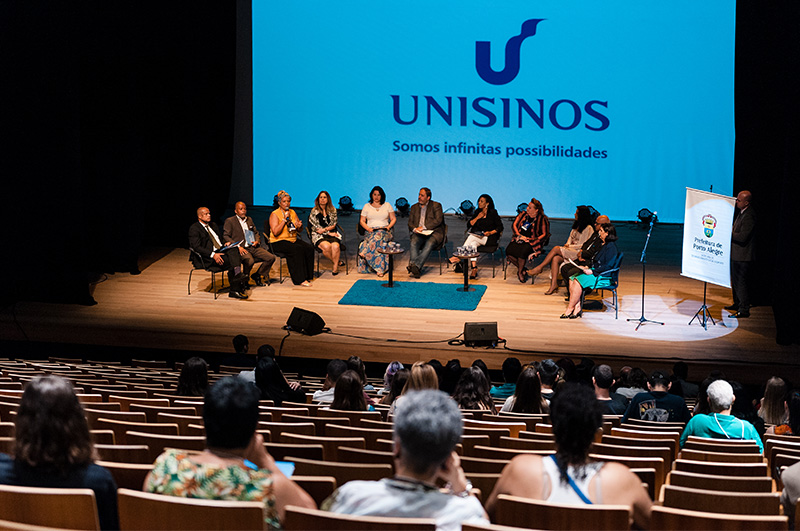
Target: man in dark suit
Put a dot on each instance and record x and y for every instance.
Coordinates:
(205, 238)
(250, 253)
(742, 254)
(424, 216)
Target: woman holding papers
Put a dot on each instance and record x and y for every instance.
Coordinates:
(588, 278)
(325, 236)
(377, 220)
(484, 227)
(283, 227)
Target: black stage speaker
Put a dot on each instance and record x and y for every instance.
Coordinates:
(480, 334)
(305, 322)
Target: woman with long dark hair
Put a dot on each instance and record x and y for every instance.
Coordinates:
(792, 424)
(570, 476)
(273, 385)
(348, 395)
(582, 230)
(399, 380)
(322, 224)
(588, 279)
(53, 447)
(472, 390)
(193, 380)
(484, 228)
(531, 233)
(527, 397)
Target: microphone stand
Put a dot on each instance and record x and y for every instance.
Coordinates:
(641, 320)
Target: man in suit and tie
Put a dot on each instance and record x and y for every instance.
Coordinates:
(423, 217)
(742, 254)
(206, 239)
(250, 253)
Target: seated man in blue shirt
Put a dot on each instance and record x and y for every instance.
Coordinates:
(511, 371)
(720, 424)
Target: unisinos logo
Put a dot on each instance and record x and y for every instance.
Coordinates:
(483, 55)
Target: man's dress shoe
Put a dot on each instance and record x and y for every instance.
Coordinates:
(236, 295)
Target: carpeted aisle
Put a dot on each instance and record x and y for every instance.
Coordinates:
(427, 295)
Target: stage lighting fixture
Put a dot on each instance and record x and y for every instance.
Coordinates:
(645, 216)
(401, 205)
(345, 205)
(467, 208)
(522, 207)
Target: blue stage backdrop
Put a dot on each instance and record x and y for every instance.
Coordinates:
(617, 104)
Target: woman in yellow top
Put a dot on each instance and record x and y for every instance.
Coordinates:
(284, 226)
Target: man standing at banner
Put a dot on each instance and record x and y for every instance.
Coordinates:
(426, 224)
(742, 251)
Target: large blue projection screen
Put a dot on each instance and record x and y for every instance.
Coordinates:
(617, 104)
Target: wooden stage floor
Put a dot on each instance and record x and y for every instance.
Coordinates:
(153, 310)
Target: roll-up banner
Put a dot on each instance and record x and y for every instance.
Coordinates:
(707, 225)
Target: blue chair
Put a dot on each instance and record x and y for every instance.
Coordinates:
(613, 275)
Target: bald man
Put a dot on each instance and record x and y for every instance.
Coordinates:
(250, 253)
(742, 254)
(205, 239)
(587, 252)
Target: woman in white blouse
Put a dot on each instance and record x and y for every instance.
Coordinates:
(377, 220)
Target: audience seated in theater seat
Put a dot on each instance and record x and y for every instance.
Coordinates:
(511, 371)
(235, 465)
(719, 423)
(193, 380)
(422, 377)
(603, 379)
(527, 397)
(348, 395)
(472, 390)
(426, 431)
(240, 358)
(773, 405)
(791, 490)
(53, 447)
(335, 369)
(399, 380)
(273, 384)
(657, 405)
(569, 476)
(792, 424)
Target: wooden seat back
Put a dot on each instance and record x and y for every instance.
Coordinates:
(343, 472)
(330, 445)
(721, 469)
(524, 512)
(301, 519)
(127, 475)
(120, 428)
(157, 442)
(726, 483)
(703, 455)
(142, 510)
(124, 453)
(669, 519)
(355, 416)
(61, 508)
(716, 501)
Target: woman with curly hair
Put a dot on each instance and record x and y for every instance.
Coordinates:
(472, 390)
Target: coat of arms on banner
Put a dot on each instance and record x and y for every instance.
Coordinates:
(709, 222)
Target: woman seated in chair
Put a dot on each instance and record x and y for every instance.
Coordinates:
(273, 384)
(472, 390)
(348, 395)
(527, 397)
(235, 465)
(377, 220)
(590, 278)
(193, 380)
(570, 476)
(285, 239)
(582, 230)
(484, 228)
(53, 447)
(323, 228)
(531, 233)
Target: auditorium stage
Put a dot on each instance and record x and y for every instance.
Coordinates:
(153, 310)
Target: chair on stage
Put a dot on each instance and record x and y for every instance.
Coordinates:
(318, 252)
(613, 276)
(280, 256)
(491, 248)
(207, 265)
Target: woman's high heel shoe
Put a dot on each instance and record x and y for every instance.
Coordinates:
(576, 315)
(551, 291)
(474, 273)
(565, 316)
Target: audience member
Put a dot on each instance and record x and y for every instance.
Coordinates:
(773, 409)
(422, 378)
(354, 363)
(335, 369)
(720, 424)
(398, 382)
(193, 380)
(391, 369)
(569, 476)
(348, 395)
(744, 409)
(205, 242)
(681, 372)
(548, 375)
(235, 465)
(240, 357)
(472, 391)
(479, 363)
(427, 230)
(657, 405)
(702, 398)
(264, 351)
(612, 403)
(512, 368)
(273, 385)
(426, 431)
(584, 372)
(240, 228)
(791, 490)
(53, 447)
(527, 397)
(450, 376)
(439, 368)
(634, 382)
(792, 424)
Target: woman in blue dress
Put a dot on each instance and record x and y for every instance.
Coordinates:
(587, 279)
